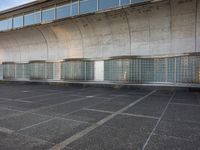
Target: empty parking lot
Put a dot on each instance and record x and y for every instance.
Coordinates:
(39, 117)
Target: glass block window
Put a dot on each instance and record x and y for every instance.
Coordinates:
(49, 70)
(77, 70)
(147, 72)
(37, 70)
(19, 71)
(1, 71)
(160, 70)
(8, 70)
(89, 70)
(171, 70)
(135, 70)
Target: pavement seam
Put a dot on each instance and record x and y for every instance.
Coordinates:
(84, 132)
(156, 125)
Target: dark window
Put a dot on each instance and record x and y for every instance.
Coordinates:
(105, 4)
(87, 6)
(32, 18)
(74, 8)
(137, 1)
(63, 11)
(125, 2)
(48, 14)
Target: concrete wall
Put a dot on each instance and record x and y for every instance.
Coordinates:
(164, 28)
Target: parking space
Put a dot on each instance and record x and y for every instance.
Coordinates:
(76, 118)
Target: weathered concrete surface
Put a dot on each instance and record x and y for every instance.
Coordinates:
(164, 28)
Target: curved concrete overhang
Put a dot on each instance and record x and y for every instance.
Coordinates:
(163, 28)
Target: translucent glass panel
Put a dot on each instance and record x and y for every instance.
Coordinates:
(37, 70)
(22, 71)
(53, 70)
(160, 70)
(48, 14)
(63, 11)
(87, 6)
(19, 71)
(9, 71)
(117, 70)
(105, 4)
(18, 22)
(171, 69)
(89, 72)
(49, 70)
(185, 69)
(74, 70)
(77, 70)
(75, 7)
(147, 67)
(135, 71)
(32, 18)
(26, 71)
(1, 71)
(125, 2)
(6, 24)
(56, 71)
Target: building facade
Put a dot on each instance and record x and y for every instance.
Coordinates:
(126, 41)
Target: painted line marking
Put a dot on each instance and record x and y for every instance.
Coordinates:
(151, 134)
(94, 126)
(5, 130)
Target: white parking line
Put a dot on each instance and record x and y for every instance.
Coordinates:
(94, 126)
(5, 130)
(151, 134)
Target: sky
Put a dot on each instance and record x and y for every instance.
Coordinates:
(6, 4)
